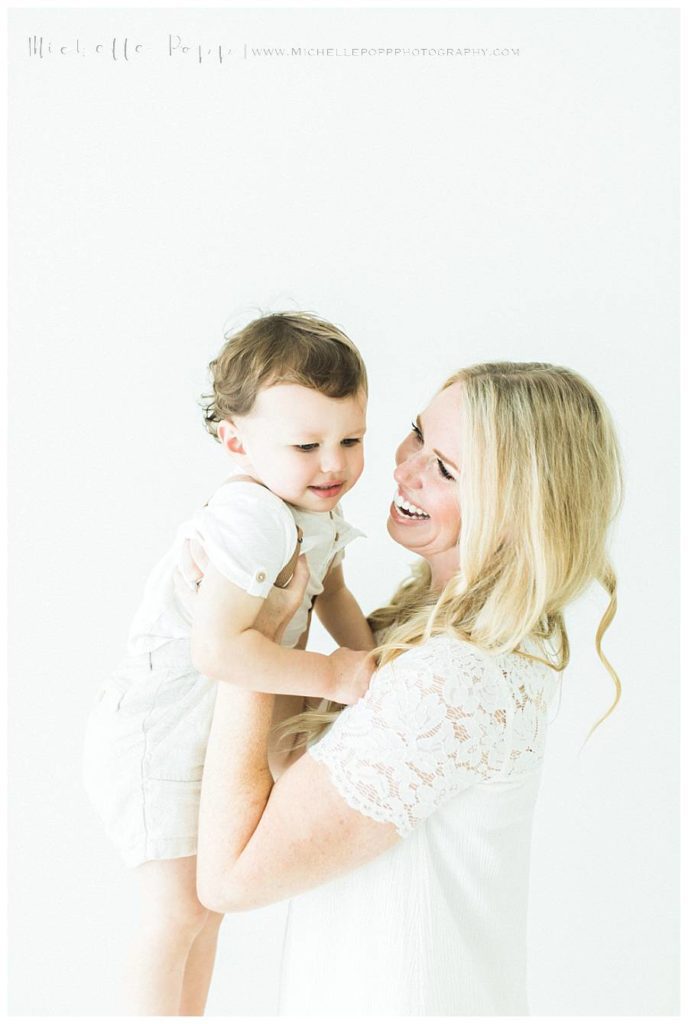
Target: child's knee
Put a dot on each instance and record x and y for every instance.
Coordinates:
(169, 899)
(182, 916)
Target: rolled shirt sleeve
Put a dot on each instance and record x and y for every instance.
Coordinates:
(247, 533)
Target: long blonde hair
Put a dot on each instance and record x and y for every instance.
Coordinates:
(539, 487)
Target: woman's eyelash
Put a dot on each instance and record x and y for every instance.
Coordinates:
(442, 468)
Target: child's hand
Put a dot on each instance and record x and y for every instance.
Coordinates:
(281, 605)
(352, 671)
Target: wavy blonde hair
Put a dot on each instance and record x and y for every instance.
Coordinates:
(539, 486)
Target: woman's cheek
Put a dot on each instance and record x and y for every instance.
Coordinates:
(450, 513)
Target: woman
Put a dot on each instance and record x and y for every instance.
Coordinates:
(406, 826)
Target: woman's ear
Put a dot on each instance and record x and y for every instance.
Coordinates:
(229, 437)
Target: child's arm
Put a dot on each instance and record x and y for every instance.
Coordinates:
(340, 614)
(225, 646)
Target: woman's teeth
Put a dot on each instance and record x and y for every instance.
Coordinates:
(408, 509)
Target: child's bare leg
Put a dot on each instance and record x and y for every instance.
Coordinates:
(171, 919)
(199, 968)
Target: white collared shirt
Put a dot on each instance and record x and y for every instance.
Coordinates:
(249, 535)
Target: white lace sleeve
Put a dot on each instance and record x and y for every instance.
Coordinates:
(433, 722)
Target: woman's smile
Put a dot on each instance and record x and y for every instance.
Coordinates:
(404, 510)
(425, 514)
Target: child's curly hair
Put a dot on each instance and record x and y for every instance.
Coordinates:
(281, 348)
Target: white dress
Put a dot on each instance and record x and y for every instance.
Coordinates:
(447, 745)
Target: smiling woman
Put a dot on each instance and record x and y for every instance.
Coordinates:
(403, 831)
(425, 515)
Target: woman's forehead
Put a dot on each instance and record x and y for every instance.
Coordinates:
(441, 421)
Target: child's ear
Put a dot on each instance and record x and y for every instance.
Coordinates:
(229, 437)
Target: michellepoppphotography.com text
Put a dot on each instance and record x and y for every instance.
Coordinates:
(172, 47)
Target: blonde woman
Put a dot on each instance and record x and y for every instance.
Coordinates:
(403, 830)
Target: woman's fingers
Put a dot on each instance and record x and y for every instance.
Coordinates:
(292, 594)
(299, 581)
(282, 603)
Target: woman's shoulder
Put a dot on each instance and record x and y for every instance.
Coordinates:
(457, 667)
(446, 653)
(505, 697)
(529, 660)
(447, 667)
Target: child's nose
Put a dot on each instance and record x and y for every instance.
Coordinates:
(331, 460)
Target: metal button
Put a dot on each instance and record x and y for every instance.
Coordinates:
(260, 576)
(336, 537)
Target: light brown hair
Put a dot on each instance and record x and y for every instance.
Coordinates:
(281, 348)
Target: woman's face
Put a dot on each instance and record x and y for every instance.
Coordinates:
(425, 515)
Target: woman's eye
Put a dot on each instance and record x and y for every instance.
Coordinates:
(349, 442)
(444, 471)
(306, 447)
(416, 430)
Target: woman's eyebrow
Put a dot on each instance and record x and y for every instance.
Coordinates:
(438, 454)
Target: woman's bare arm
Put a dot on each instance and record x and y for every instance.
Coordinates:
(260, 842)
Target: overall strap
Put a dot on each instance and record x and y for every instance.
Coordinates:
(284, 578)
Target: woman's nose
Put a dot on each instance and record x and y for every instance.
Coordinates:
(408, 472)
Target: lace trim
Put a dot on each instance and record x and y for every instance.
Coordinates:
(353, 797)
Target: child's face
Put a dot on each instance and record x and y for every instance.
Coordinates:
(307, 448)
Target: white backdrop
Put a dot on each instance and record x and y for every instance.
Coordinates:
(443, 209)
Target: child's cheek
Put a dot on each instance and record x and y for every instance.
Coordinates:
(296, 471)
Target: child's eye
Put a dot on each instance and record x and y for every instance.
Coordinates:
(306, 447)
(444, 471)
(416, 430)
(349, 442)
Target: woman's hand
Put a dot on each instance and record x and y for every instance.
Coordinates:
(281, 604)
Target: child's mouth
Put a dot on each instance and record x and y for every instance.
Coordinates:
(327, 490)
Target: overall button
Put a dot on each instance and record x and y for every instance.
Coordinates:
(260, 576)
